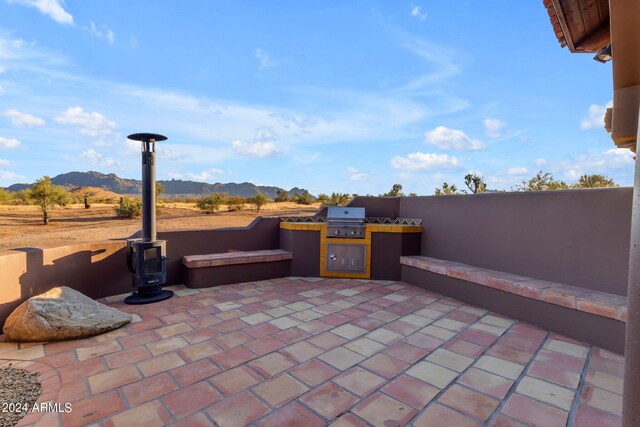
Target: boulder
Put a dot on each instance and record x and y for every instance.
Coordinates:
(61, 314)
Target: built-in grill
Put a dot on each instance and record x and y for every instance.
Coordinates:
(345, 222)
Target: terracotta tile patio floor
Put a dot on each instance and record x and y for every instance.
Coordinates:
(314, 352)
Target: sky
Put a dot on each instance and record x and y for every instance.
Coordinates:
(333, 96)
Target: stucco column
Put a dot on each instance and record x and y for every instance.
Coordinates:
(631, 394)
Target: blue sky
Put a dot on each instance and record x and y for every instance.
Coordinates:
(345, 96)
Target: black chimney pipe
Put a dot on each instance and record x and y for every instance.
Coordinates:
(146, 257)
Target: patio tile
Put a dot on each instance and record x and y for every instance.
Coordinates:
(405, 352)
(429, 313)
(605, 381)
(191, 399)
(306, 315)
(477, 337)
(327, 340)
(264, 345)
(279, 311)
(504, 421)
(271, 364)
(359, 381)
(384, 316)
(500, 367)
(466, 348)
(587, 416)
(602, 399)
(411, 391)
(449, 359)
(232, 339)
(194, 372)
(125, 357)
(384, 336)
(238, 411)
(284, 322)
(314, 372)
(85, 353)
(148, 389)
(301, 351)
(510, 353)
(114, 378)
(329, 400)
(564, 347)
(382, 411)
(299, 306)
(292, 415)
(311, 294)
(469, 402)
(546, 392)
(416, 320)
(385, 365)
(401, 327)
(533, 412)
(554, 374)
(235, 380)
(256, 318)
(564, 361)
(166, 345)
(365, 346)
(93, 408)
(349, 331)
(486, 382)
(452, 325)
(234, 357)
(158, 364)
(499, 321)
(174, 329)
(315, 326)
(291, 335)
(198, 351)
(280, 390)
(440, 333)
(440, 416)
(433, 374)
(341, 358)
(491, 329)
(348, 420)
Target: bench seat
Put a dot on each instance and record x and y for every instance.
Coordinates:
(203, 271)
(594, 302)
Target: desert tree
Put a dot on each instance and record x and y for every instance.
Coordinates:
(323, 199)
(258, 200)
(542, 182)
(128, 207)
(396, 191)
(475, 183)
(236, 203)
(159, 189)
(305, 198)
(594, 181)
(281, 196)
(446, 190)
(5, 197)
(47, 196)
(211, 204)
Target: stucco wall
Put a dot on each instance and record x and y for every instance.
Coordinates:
(578, 237)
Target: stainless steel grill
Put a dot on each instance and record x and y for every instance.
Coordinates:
(345, 222)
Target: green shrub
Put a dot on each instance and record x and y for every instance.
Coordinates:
(210, 204)
(236, 203)
(258, 200)
(129, 208)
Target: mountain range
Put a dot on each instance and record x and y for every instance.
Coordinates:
(172, 188)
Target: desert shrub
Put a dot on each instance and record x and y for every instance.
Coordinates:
(21, 197)
(46, 196)
(210, 204)
(236, 203)
(5, 197)
(129, 208)
(258, 200)
(304, 199)
(282, 196)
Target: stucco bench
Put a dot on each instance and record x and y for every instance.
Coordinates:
(201, 271)
(594, 302)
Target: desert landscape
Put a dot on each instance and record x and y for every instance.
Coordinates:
(21, 225)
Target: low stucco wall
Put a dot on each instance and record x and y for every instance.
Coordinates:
(95, 269)
(577, 237)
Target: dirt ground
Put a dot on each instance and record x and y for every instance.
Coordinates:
(21, 226)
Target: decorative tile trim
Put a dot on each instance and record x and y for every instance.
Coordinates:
(594, 302)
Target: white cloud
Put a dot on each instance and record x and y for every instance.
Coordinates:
(97, 159)
(90, 124)
(599, 163)
(4, 162)
(23, 119)
(1, 90)
(7, 143)
(206, 176)
(540, 162)
(7, 175)
(517, 171)
(494, 127)
(595, 117)
(452, 139)
(102, 33)
(2, 69)
(264, 60)
(354, 174)
(416, 12)
(255, 149)
(424, 161)
(52, 8)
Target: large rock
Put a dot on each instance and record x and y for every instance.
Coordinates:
(61, 314)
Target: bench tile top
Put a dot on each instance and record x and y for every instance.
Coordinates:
(587, 300)
(239, 257)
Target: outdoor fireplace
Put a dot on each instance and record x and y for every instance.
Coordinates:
(146, 257)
